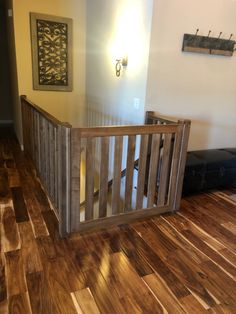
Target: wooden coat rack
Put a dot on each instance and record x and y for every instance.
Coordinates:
(208, 45)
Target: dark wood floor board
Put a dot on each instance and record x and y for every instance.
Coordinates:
(41, 196)
(209, 205)
(210, 253)
(89, 255)
(145, 251)
(15, 277)
(118, 242)
(192, 305)
(199, 247)
(230, 226)
(220, 309)
(155, 238)
(209, 225)
(19, 304)
(51, 223)
(106, 299)
(183, 271)
(223, 198)
(46, 249)
(4, 307)
(10, 239)
(13, 178)
(4, 185)
(10, 163)
(178, 221)
(161, 291)
(39, 294)
(38, 223)
(189, 273)
(75, 276)
(210, 281)
(177, 263)
(30, 254)
(131, 284)
(19, 205)
(130, 250)
(228, 255)
(59, 287)
(86, 301)
(176, 237)
(3, 288)
(226, 284)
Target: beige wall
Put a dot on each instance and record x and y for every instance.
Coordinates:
(196, 86)
(116, 28)
(66, 106)
(13, 73)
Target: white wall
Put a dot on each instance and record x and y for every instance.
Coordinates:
(112, 27)
(66, 106)
(195, 86)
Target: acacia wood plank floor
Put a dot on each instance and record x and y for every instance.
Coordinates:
(180, 263)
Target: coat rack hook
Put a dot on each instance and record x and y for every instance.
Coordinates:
(220, 35)
(209, 34)
(197, 31)
(230, 36)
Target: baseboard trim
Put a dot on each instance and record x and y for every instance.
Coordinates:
(6, 121)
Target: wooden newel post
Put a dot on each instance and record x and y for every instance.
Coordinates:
(64, 178)
(182, 161)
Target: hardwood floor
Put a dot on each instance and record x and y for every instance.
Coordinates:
(180, 263)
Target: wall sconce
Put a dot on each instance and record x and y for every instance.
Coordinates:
(119, 64)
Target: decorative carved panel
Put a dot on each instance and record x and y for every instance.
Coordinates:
(51, 50)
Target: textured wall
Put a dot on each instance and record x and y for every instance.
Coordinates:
(66, 106)
(116, 28)
(195, 86)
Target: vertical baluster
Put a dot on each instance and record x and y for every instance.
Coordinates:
(164, 176)
(51, 161)
(129, 172)
(47, 159)
(103, 186)
(64, 182)
(153, 167)
(182, 161)
(117, 175)
(37, 136)
(89, 184)
(141, 171)
(75, 178)
(55, 130)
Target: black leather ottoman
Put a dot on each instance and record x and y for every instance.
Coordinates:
(210, 169)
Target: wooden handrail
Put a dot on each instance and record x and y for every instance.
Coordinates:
(152, 115)
(46, 115)
(126, 130)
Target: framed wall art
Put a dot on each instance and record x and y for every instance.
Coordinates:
(51, 41)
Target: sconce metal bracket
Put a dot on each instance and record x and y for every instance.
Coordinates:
(119, 64)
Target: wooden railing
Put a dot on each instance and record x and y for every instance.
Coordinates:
(93, 190)
(47, 142)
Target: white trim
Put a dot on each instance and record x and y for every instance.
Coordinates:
(6, 121)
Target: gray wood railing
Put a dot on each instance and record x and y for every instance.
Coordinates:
(47, 142)
(67, 165)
